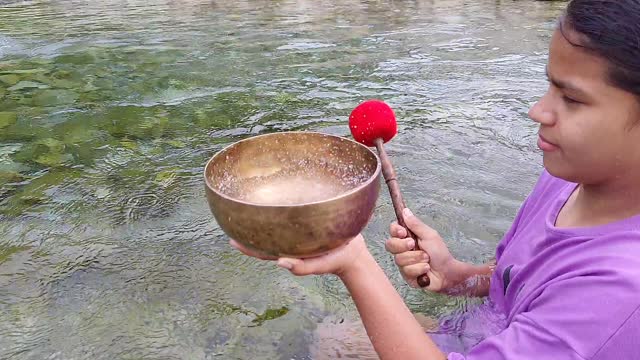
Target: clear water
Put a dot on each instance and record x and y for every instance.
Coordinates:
(109, 110)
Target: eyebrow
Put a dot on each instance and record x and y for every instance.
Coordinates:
(565, 85)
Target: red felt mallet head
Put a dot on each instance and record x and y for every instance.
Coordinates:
(371, 120)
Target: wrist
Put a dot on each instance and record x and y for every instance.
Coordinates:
(457, 272)
(358, 267)
(464, 278)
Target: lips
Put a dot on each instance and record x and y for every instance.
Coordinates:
(546, 145)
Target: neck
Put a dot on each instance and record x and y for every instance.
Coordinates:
(608, 202)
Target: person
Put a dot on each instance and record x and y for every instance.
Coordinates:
(567, 273)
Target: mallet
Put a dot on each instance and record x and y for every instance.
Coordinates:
(373, 123)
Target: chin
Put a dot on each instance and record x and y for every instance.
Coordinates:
(582, 171)
(560, 170)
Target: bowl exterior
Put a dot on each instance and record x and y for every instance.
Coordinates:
(297, 230)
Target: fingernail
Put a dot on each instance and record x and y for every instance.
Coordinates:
(425, 257)
(411, 244)
(407, 212)
(285, 264)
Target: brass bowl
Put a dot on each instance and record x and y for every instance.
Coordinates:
(296, 194)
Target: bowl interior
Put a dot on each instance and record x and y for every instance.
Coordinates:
(290, 168)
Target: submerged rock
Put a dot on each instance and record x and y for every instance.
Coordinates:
(9, 79)
(7, 119)
(54, 97)
(28, 85)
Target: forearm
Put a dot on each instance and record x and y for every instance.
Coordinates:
(471, 280)
(393, 330)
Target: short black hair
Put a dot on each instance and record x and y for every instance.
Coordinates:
(611, 30)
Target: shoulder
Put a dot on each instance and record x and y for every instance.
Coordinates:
(546, 189)
(545, 192)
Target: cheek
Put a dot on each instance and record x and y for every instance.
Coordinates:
(595, 142)
(577, 135)
(585, 138)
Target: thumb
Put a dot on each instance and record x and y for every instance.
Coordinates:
(300, 267)
(423, 231)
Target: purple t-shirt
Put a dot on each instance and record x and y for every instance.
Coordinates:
(567, 293)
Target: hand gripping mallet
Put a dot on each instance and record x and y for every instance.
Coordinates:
(373, 123)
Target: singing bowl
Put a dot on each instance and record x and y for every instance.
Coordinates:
(297, 194)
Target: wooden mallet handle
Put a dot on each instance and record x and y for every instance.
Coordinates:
(396, 198)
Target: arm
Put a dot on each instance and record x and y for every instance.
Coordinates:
(474, 280)
(393, 330)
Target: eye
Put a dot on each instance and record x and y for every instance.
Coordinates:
(570, 101)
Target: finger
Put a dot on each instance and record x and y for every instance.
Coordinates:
(317, 265)
(300, 267)
(397, 246)
(411, 258)
(422, 230)
(397, 231)
(243, 249)
(413, 271)
(412, 282)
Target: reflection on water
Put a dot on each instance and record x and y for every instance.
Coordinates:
(109, 110)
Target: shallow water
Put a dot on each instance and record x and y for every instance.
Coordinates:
(109, 110)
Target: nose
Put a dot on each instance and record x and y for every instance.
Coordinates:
(542, 112)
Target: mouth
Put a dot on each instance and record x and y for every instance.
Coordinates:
(545, 145)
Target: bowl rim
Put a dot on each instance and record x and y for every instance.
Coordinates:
(374, 177)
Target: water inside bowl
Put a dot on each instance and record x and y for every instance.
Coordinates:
(302, 182)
